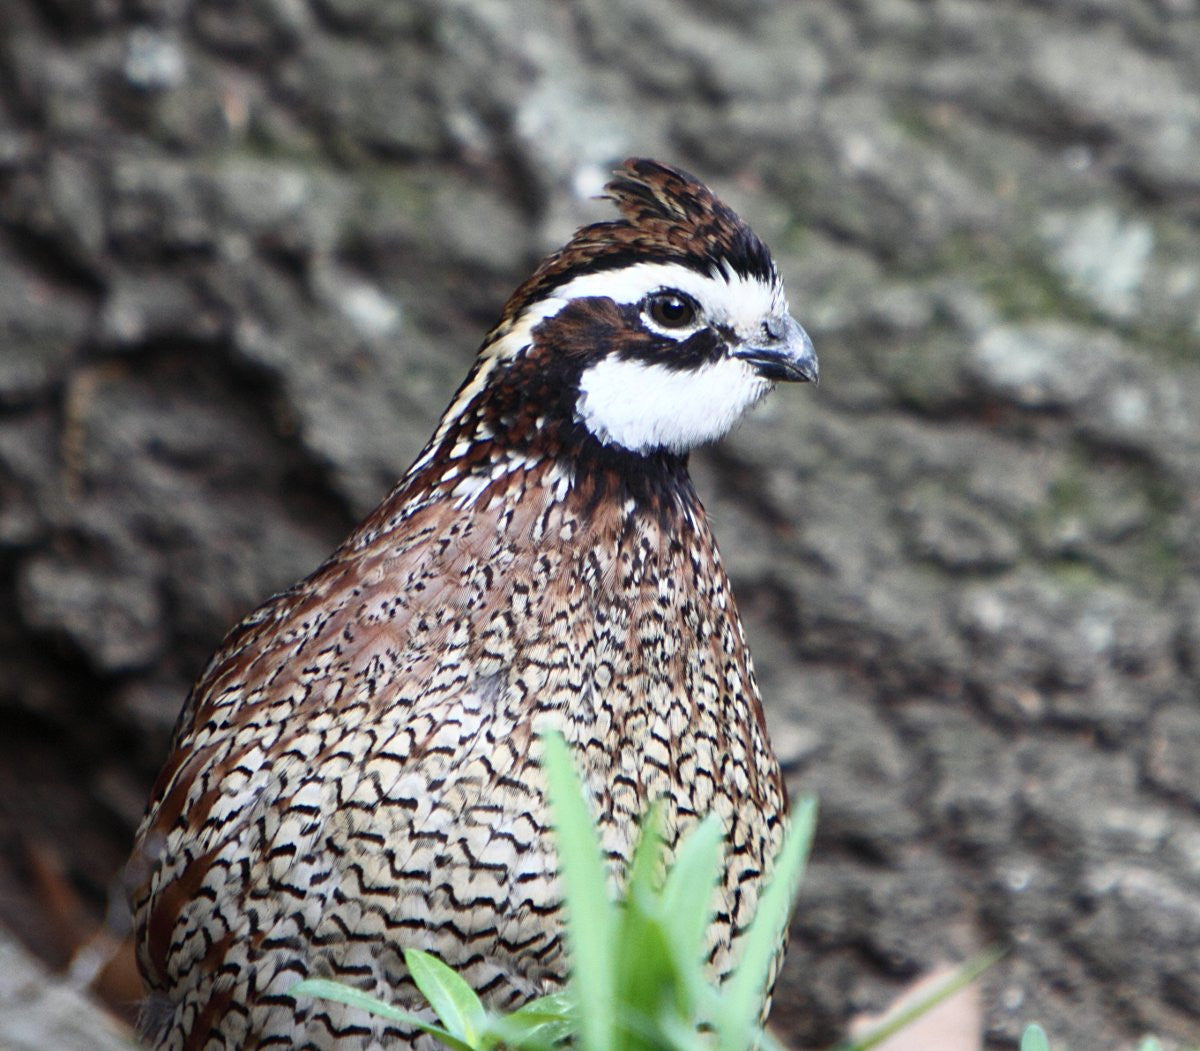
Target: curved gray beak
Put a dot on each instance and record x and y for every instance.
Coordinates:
(783, 354)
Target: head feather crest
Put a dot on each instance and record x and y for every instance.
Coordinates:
(667, 216)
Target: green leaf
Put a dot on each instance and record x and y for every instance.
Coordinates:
(1034, 1039)
(646, 972)
(552, 1005)
(327, 990)
(645, 980)
(645, 867)
(541, 1023)
(678, 1034)
(454, 1002)
(687, 903)
(743, 991)
(590, 914)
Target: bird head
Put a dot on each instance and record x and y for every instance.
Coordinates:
(648, 333)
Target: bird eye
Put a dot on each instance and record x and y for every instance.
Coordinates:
(671, 309)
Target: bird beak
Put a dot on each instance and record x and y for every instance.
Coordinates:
(784, 354)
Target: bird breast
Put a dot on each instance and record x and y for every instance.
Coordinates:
(369, 740)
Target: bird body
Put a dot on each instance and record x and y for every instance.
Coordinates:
(356, 771)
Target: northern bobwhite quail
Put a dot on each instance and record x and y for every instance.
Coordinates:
(356, 770)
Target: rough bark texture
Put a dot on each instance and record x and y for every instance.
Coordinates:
(248, 247)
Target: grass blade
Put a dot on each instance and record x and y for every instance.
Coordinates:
(964, 976)
(687, 897)
(743, 992)
(590, 914)
(646, 978)
(1034, 1039)
(646, 971)
(645, 867)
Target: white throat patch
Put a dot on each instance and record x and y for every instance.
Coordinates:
(644, 407)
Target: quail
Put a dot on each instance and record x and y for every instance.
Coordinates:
(356, 770)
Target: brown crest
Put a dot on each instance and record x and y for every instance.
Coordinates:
(668, 216)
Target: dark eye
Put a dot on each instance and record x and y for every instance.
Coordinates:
(671, 309)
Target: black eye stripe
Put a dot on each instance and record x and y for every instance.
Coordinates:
(690, 350)
(702, 347)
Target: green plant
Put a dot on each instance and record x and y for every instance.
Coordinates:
(1034, 1039)
(638, 978)
(466, 1025)
(638, 965)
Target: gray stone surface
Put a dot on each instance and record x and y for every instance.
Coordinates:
(39, 1011)
(247, 250)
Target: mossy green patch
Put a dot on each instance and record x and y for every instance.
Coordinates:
(1111, 518)
(1016, 279)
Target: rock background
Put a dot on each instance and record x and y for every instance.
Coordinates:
(247, 248)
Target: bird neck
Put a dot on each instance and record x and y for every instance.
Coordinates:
(507, 430)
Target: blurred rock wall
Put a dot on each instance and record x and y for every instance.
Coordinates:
(248, 247)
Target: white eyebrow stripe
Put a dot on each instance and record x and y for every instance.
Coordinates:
(727, 293)
(727, 298)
